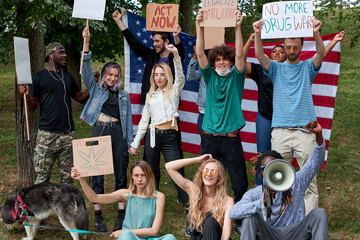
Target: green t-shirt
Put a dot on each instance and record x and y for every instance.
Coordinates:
(223, 112)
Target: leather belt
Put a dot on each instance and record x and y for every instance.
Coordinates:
(107, 124)
(303, 129)
(232, 134)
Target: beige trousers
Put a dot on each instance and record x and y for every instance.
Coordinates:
(287, 142)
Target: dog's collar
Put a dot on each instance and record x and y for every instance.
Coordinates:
(20, 211)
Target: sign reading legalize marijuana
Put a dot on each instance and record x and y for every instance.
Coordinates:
(93, 156)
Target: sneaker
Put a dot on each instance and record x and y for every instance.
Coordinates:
(187, 229)
(100, 225)
(119, 220)
(238, 229)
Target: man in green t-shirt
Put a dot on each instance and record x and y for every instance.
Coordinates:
(223, 115)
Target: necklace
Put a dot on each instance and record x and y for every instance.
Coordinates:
(57, 75)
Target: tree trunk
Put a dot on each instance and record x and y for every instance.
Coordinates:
(25, 148)
(73, 67)
(185, 10)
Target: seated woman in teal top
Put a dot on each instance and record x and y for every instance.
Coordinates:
(144, 208)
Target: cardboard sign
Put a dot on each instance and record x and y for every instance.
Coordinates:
(214, 36)
(22, 60)
(93, 156)
(89, 9)
(219, 13)
(162, 17)
(287, 19)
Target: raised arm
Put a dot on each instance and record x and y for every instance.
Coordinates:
(173, 166)
(179, 73)
(320, 48)
(338, 37)
(246, 50)
(259, 50)
(119, 195)
(239, 57)
(117, 18)
(158, 219)
(176, 32)
(200, 42)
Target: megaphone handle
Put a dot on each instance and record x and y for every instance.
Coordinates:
(268, 204)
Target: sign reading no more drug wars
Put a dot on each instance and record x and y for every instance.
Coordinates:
(287, 19)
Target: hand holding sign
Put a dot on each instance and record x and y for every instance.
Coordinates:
(238, 18)
(316, 24)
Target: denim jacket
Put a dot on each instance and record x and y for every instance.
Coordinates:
(98, 96)
(194, 74)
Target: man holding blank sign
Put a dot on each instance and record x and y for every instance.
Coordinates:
(293, 105)
(51, 89)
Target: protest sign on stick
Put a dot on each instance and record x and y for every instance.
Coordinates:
(214, 36)
(88, 9)
(93, 156)
(289, 19)
(162, 17)
(23, 69)
(220, 13)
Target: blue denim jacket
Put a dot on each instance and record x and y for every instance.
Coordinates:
(194, 74)
(98, 96)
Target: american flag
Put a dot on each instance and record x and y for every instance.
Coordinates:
(323, 89)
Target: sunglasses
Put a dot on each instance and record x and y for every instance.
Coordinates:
(212, 172)
(288, 48)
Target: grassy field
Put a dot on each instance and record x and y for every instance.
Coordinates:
(339, 184)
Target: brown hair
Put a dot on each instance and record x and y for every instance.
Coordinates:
(227, 52)
(150, 187)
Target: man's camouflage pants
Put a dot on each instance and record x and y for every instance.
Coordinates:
(49, 147)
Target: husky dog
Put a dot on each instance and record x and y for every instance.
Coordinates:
(36, 203)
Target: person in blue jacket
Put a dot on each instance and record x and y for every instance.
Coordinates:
(109, 111)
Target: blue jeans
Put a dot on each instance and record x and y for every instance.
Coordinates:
(263, 140)
(231, 151)
(200, 122)
(165, 143)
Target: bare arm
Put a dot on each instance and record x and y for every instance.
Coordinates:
(176, 32)
(155, 228)
(338, 37)
(117, 18)
(120, 195)
(320, 48)
(173, 166)
(315, 127)
(259, 50)
(200, 44)
(81, 97)
(239, 57)
(227, 226)
(246, 50)
(32, 102)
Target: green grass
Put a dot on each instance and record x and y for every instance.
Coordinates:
(339, 184)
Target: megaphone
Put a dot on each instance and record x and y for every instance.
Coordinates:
(279, 175)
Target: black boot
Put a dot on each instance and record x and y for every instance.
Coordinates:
(119, 220)
(100, 225)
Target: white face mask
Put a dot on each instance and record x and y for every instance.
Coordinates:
(223, 73)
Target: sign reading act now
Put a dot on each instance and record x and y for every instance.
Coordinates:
(287, 19)
(162, 17)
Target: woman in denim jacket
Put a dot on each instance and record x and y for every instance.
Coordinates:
(159, 118)
(109, 111)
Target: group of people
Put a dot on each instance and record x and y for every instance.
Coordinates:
(286, 124)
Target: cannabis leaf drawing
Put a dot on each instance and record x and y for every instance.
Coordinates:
(92, 160)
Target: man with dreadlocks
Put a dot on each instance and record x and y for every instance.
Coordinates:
(288, 219)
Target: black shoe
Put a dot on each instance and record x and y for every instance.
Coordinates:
(187, 229)
(100, 225)
(119, 220)
(238, 229)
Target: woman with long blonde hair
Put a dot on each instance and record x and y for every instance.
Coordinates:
(161, 107)
(209, 205)
(144, 205)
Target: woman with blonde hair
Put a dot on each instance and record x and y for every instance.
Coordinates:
(144, 205)
(209, 205)
(161, 107)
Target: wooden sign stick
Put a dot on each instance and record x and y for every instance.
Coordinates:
(26, 119)
(82, 55)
